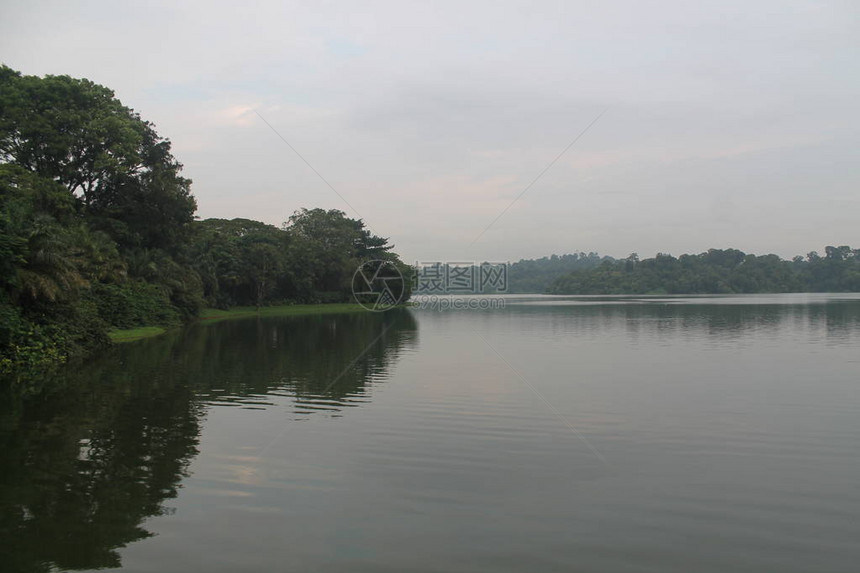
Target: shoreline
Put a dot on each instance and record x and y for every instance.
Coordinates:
(209, 315)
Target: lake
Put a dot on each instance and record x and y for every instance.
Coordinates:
(555, 434)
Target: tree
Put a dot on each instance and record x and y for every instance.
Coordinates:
(332, 246)
(78, 134)
(40, 241)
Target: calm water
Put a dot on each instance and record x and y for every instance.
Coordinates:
(556, 434)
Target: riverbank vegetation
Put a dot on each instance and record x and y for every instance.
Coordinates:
(132, 334)
(215, 314)
(98, 232)
(718, 271)
(211, 315)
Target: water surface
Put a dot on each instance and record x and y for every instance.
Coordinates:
(556, 434)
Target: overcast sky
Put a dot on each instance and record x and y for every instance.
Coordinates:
(726, 124)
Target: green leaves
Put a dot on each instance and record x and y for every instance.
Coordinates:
(310, 258)
(79, 135)
(69, 130)
(84, 185)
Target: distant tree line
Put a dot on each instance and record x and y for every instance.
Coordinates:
(97, 230)
(536, 275)
(718, 271)
(523, 276)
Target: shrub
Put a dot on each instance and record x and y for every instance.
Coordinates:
(135, 303)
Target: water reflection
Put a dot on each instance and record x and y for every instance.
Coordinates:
(716, 419)
(85, 465)
(88, 455)
(325, 362)
(721, 319)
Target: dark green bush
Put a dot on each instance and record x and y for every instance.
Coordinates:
(135, 303)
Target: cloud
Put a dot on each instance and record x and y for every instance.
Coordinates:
(237, 115)
(430, 117)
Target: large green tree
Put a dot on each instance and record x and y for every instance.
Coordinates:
(75, 132)
(94, 217)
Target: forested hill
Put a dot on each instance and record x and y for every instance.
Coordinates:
(522, 277)
(536, 275)
(97, 230)
(718, 271)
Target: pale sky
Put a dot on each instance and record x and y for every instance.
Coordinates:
(726, 124)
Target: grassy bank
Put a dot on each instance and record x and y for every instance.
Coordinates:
(216, 314)
(132, 334)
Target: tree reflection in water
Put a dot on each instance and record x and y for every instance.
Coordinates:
(89, 454)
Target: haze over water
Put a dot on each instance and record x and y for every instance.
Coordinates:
(555, 434)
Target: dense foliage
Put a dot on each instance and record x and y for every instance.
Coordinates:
(97, 230)
(718, 271)
(311, 258)
(535, 275)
